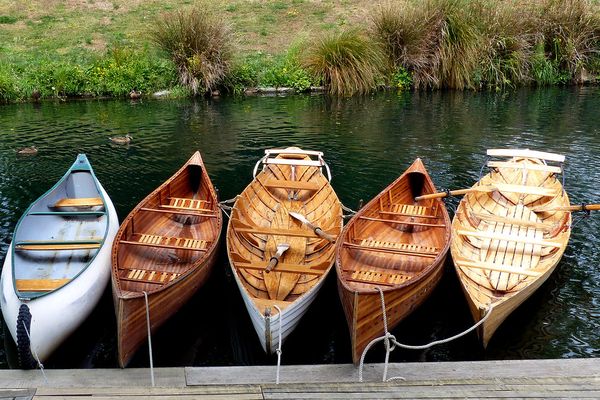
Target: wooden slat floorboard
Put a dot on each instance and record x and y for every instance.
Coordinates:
(518, 379)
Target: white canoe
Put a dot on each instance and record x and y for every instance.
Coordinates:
(58, 263)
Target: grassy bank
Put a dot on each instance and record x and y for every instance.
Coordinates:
(106, 48)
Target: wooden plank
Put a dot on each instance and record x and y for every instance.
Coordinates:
(509, 238)
(408, 215)
(170, 207)
(496, 267)
(285, 267)
(173, 211)
(46, 246)
(291, 185)
(293, 151)
(390, 250)
(523, 189)
(395, 221)
(79, 202)
(525, 166)
(163, 246)
(285, 161)
(526, 153)
(276, 231)
(39, 285)
(513, 221)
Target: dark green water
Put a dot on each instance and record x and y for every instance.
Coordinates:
(367, 142)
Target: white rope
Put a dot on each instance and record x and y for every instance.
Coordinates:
(149, 339)
(389, 338)
(350, 212)
(32, 350)
(278, 351)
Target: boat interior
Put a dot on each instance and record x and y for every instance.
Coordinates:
(171, 230)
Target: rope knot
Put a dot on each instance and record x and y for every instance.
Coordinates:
(386, 341)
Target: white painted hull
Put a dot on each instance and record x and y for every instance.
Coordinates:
(56, 315)
(269, 338)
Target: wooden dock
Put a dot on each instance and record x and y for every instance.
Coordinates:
(525, 379)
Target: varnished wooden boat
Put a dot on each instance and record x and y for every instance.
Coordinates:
(166, 248)
(261, 230)
(394, 243)
(508, 235)
(58, 263)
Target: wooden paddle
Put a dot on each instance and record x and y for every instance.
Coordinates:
(281, 248)
(580, 207)
(501, 187)
(318, 231)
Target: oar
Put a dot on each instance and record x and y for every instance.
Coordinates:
(580, 207)
(318, 231)
(281, 248)
(457, 192)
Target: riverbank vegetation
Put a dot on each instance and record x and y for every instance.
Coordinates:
(62, 49)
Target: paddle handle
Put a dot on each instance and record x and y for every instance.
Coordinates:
(324, 235)
(440, 195)
(272, 263)
(581, 207)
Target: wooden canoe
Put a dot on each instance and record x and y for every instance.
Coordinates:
(506, 242)
(291, 180)
(166, 247)
(394, 243)
(58, 263)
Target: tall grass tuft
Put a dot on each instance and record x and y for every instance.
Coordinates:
(510, 34)
(436, 40)
(572, 34)
(347, 62)
(199, 43)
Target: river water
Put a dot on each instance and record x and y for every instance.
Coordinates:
(368, 142)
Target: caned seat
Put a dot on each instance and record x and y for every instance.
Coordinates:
(409, 210)
(168, 242)
(378, 278)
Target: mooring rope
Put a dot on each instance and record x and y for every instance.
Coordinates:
(149, 338)
(37, 358)
(350, 212)
(227, 208)
(389, 338)
(278, 351)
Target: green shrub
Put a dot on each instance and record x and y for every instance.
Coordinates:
(8, 91)
(346, 62)
(200, 45)
(572, 33)
(401, 79)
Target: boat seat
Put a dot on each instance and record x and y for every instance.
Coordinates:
(318, 269)
(58, 245)
(377, 278)
(509, 269)
(398, 221)
(508, 238)
(148, 276)
(526, 153)
(186, 204)
(79, 202)
(395, 248)
(70, 213)
(39, 285)
(241, 227)
(525, 166)
(409, 210)
(209, 214)
(168, 242)
(291, 185)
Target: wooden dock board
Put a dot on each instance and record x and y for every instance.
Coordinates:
(508, 379)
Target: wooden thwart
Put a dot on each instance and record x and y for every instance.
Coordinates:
(284, 267)
(285, 161)
(496, 267)
(48, 245)
(526, 154)
(409, 210)
(167, 242)
(394, 248)
(508, 238)
(175, 211)
(291, 185)
(79, 202)
(180, 203)
(39, 285)
(525, 166)
(377, 278)
(404, 222)
(240, 227)
(513, 221)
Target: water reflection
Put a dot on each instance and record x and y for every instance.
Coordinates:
(368, 142)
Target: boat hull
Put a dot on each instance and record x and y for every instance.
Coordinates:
(57, 315)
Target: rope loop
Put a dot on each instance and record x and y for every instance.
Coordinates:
(278, 351)
(37, 358)
(349, 212)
